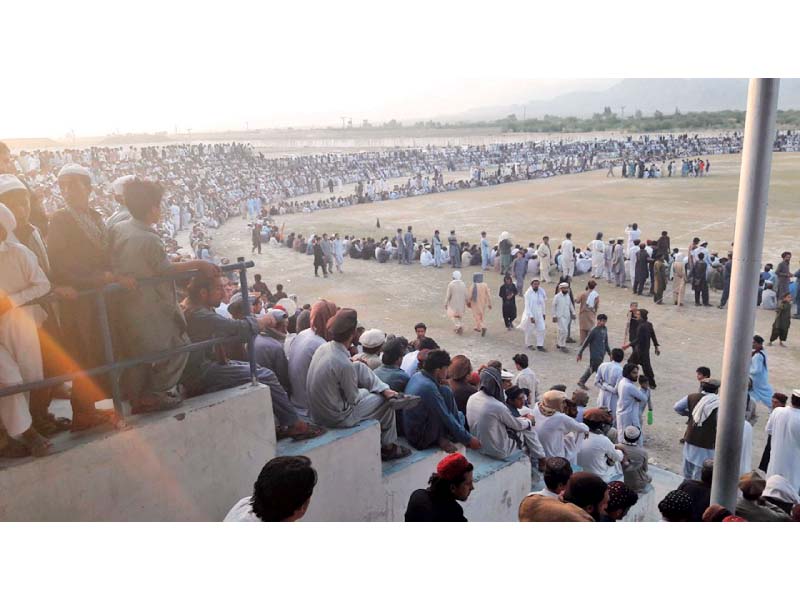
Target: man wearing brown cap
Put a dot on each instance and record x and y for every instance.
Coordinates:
(343, 393)
(597, 453)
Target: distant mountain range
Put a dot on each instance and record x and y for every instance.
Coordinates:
(646, 95)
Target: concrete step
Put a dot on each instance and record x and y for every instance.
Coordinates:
(348, 465)
(500, 485)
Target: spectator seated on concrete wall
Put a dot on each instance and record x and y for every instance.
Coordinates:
(282, 492)
(436, 420)
(343, 393)
(583, 500)
(209, 370)
(449, 485)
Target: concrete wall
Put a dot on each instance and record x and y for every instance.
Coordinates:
(189, 464)
(402, 477)
(500, 486)
(348, 464)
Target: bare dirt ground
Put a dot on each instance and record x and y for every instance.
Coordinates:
(393, 297)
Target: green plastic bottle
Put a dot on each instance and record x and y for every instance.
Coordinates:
(649, 417)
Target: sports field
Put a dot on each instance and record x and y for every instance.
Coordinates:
(393, 298)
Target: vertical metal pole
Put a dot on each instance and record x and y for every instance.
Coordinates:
(751, 216)
(108, 350)
(251, 346)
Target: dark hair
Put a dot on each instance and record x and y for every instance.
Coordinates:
(780, 397)
(701, 255)
(557, 471)
(521, 360)
(591, 284)
(617, 354)
(427, 343)
(758, 339)
(257, 276)
(283, 486)
(141, 197)
(420, 326)
(643, 314)
(707, 471)
(704, 371)
(559, 387)
(602, 316)
(197, 284)
(436, 359)
(585, 489)
(440, 487)
(393, 350)
(628, 369)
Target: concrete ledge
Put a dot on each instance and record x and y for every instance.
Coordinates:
(646, 509)
(348, 464)
(402, 477)
(500, 485)
(189, 464)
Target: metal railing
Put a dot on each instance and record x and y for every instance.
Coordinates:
(115, 367)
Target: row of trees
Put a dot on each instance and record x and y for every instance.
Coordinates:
(611, 121)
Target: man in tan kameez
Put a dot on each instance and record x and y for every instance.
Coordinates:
(479, 301)
(455, 302)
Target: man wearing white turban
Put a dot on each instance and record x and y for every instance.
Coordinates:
(22, 280)
(455, 302)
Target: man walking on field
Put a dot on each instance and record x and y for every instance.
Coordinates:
(455, 302)
(563, 313)
(533, 318)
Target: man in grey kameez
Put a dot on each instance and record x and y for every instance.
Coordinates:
(343, 393)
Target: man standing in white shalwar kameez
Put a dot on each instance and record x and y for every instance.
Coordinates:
(598, 258)
(784, 427)
(563, 313)
(568, 256)
(22, 280)
(534, 317)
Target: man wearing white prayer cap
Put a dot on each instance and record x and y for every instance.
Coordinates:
(75, 169)
(78, 249)
(20, 354)
(118, 189)
(455, 301)
(371, 342)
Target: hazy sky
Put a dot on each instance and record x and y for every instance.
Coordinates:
(98, 67)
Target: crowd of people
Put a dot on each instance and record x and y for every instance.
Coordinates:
(324, 369)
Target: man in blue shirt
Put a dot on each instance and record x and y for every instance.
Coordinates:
(435, 420)
(484, 251)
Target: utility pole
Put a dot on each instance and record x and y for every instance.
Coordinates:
(751, 217)
(622, 111)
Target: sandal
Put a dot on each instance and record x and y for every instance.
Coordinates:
(49, 425)
(310, 433)
(394, 452)
(14, 449)
(35, 442)
(94, 418)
